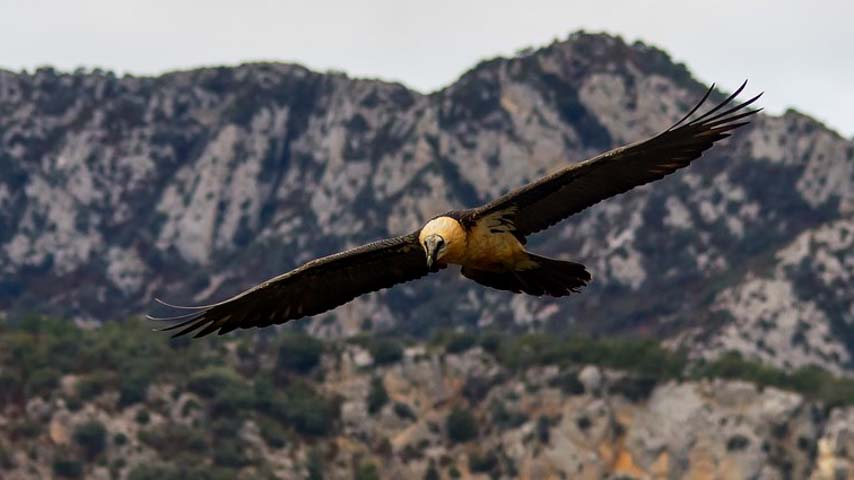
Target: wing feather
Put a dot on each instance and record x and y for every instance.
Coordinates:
(313, 288)
(555, 197)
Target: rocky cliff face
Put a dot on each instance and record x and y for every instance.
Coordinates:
(195, 185)
(457, 415)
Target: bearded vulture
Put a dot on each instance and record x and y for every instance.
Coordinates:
(487, 242)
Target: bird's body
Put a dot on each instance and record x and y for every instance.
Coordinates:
(487, 242)
(483, 245)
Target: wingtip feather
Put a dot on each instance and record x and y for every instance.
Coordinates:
(181, 307)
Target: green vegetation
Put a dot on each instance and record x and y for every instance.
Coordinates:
(272, 432)
(117, 356)
(132, 389)
(209, 382)
(568, 382)
(377, 396)
(314, 465)
(648, 363)
(43, 381)
(299, 353)
(636, 389)
(25, 429)
(305, 410)
(67, 468)
(404, 411)
(505, 419)
(454, 342)
(460, 343)
(810, 381)
(461, 425)
(126, 358)
(386, 351)
(432, 473)
(172, 439)
(544, 425)
(230, 453)
(142, 417)
(483, 462)
(637, 356)
(6, 460)
(93, 385)
(367, 471)
(92, 438)
(224, 383)
(120, 439)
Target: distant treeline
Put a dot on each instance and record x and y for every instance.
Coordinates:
(128, 357)
(649, 361)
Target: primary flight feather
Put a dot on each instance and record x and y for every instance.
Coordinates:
(487, 242)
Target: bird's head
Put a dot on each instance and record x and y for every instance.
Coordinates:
(443, 239)
(434, 246)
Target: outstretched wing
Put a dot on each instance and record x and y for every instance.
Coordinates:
(313, 288)
(549, 200)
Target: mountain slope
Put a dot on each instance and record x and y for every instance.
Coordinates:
(195, 185)
(117, 402)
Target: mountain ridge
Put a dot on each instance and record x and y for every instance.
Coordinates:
(199, 183)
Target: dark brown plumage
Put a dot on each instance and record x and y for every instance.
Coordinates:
(313, 288)
(486, 241)
(543, 203)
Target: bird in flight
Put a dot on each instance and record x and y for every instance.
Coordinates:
(487, 242)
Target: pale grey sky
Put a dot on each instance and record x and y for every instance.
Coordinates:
(799, 52)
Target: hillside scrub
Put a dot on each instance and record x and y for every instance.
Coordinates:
(220, 385)
(127, 357)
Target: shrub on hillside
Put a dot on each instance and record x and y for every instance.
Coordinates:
(461, 425)
(460, 342)
(483, 462)
(299, 353)
(404, 411)
(454, 342)
(231, 400)
(132, 389)
(43, 381)
(386, 351)
(272, 432)
(367, 471)
(377, 396)
(174, 439)
(634, 388)
(67, 468)
(92, 385)
(568, 383)
(92, 438)
(228, 452)
(209, 381)
(298, 406)
(503, 418)
(6, 460)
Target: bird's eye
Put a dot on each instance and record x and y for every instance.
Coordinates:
(441, 242)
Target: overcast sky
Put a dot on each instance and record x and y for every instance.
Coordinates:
(799, 52)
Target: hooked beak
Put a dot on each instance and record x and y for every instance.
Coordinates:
(432, 245)
(431, 258)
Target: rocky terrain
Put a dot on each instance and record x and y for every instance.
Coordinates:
(197, 184)
(116, 403)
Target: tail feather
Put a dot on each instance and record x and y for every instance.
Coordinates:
(547, 276)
